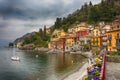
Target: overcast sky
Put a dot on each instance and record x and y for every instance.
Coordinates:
(18, 17)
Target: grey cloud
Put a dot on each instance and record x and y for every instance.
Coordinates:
(18, 17)
(25, 9)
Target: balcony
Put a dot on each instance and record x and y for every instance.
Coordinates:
(85, 39)
(82, 39)
(104, 38)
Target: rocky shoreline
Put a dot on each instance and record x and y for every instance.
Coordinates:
(56, 51)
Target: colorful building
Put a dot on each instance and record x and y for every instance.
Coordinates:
(19, 44)
(77, 27)
(96, 39)
(114, 37)
(84, 40)
(103, 40)
(95, 42)
(80, 33)
(57, 40)
(81, 26)
(57, 34)
(96, 31)
(70, 42)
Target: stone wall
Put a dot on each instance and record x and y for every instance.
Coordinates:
(113, 59)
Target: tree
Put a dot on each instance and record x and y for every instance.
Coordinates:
(86, 46)
(90, 4)
(44, 30)
(58, 23)
(41, 32)
(11, 44)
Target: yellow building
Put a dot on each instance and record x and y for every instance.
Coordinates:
(57, 34)
(81, 26)
(70, 42)
(19, 44)
(77, 27)
(113, 35)
(96, 31)
(55, 38)
(113, 40)
(95, 39)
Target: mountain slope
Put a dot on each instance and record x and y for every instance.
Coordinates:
(23, 37)
(107, 10)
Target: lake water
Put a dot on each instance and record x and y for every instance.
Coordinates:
(30, 67)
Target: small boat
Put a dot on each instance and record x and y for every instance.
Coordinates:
(15, 58)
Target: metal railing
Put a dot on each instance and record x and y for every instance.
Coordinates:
(103, 69)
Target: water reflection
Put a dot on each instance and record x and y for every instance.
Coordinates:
(30, 67)
(66, 62)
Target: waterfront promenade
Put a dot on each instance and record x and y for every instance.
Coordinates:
(112, 71)
(79, 74)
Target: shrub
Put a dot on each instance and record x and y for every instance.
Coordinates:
(116, 53)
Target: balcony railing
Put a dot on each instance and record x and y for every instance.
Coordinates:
(104, 38)
(87, 39)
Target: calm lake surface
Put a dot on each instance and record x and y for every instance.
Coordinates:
(30, 67)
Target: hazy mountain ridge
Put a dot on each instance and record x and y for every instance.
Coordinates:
(23, 37)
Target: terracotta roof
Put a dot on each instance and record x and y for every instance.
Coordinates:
(82, 24)
(116, 22)
(70, 36)
(82, 30)
(113, 30)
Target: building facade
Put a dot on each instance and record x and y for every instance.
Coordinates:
(114, 36)
(70, 42)
(57, 40)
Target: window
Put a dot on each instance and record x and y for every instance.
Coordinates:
(117, 35)
(110, 36)
(109, 42)
(118, 26)
(53, 36)
(97, 32)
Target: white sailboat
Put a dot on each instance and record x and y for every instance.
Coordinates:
(15, 57)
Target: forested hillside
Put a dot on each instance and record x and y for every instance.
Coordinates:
(107, 10)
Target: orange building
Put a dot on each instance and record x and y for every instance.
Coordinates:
(114, 36)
